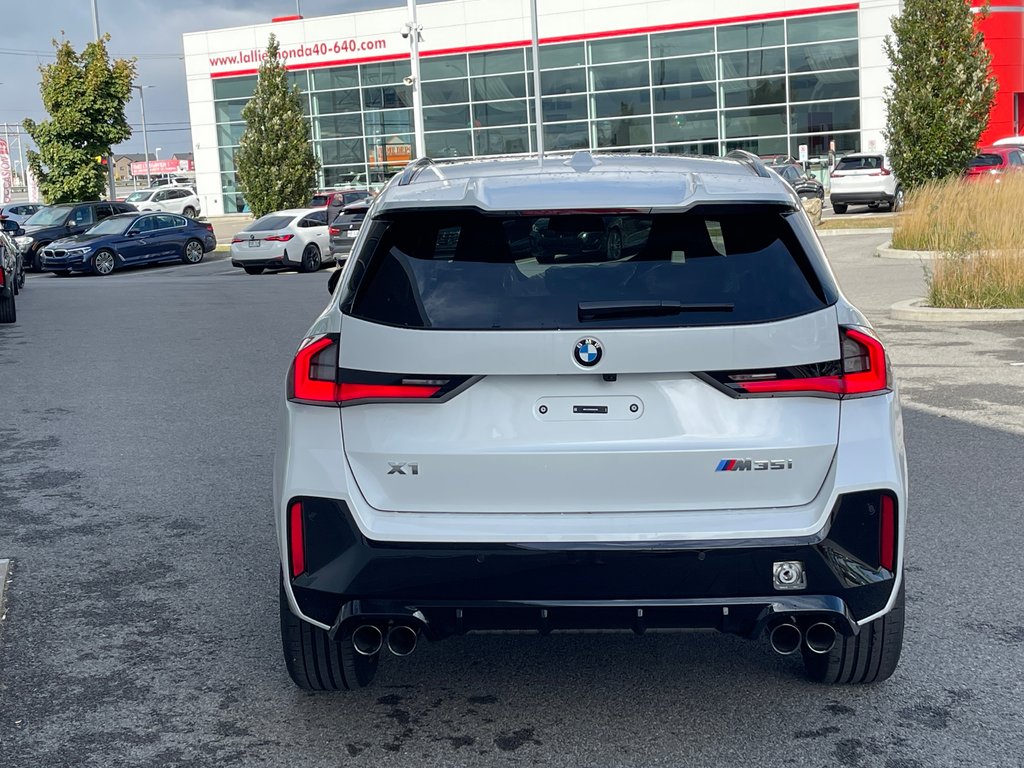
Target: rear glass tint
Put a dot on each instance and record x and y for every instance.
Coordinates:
(462, 270)
(269, 222)
(346, 219)
(986, 161)
(872, 163)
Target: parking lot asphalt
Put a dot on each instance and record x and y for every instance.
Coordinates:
(137, 419)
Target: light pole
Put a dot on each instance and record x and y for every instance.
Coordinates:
(112, 194)
(145, 135)
(413, 28)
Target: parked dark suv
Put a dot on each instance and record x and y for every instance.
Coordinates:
(56, 222)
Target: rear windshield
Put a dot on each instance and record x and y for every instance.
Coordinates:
(872, 163)
(318, 201)
(349, 218)
(271, 221)
(461, 270)
(986, 161)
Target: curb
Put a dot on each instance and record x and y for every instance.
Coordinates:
(854, 231)
(886, 251)
(916, 310)
(5, 572)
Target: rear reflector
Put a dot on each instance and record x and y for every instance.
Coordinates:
(887, 534)
(862, 369)
(315, 379)
(296, 540)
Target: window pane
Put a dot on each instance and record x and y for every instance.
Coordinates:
(752, 63)
(340, 152)
(445, 92)
(299, 79)
(814, 28)
(500, 113)
(774, 146)
(387, 97)
(566, 136)
(336, 77)
(393, 121)
(622, 133)
(826, 117)
(234, 204)
(563, 81)
(618, 49)
(818, 146)
(227, 160)
(702, 148)
(620, 76)
(683, 43)
(736, 37)
(388, 153)
(342, 176)
(233, 87)
(441, 118)
(825, 85)
(622, 103)
(557, 56)
(495, 62)
(502, 141)
(499, 87)
(229, 111)
(697, 69)
(693, 127)
(754, 122)
(682, 98)
(442, 67)
(452, 144)
(384, 72)
(337, 126)
(565, 108)
(807, 58)
(336, 101)
(229, 134)
(746, 93)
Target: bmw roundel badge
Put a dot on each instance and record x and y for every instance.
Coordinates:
(588, 352)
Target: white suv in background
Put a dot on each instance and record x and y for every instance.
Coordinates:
(605, 392)
(865, 179)
(180, 200)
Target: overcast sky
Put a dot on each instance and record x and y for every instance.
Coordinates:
(150, 31)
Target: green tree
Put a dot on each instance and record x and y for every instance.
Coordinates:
(942, 91)
(275, 162)
(85, 95)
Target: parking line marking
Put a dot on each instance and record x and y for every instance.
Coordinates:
(5, 570)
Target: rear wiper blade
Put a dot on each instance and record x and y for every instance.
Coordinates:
(594, 310)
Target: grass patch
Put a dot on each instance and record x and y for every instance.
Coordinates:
(980, 229)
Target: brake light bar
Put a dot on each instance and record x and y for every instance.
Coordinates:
(861, 370)
(316, 379)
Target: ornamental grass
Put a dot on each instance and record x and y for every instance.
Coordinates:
(978, 228)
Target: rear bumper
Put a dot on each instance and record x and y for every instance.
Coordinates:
(273, 262)
(861, 198)
(452, 588)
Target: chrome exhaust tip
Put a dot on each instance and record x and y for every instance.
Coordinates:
(367, 640)
(785, 638)
(820, 637)
(402, 640)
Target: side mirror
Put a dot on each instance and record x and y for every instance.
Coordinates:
(332, 281)
(131, 233)
(19, 232)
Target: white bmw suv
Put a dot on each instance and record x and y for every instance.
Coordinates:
(597, 392)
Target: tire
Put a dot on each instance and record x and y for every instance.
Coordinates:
(102, 263)
(253, 270)
(35, 259)
(311, 260)
(189, 212)
(8, 310)
(839, 208)
(613, 248)
(193, 252)
(315, 662)
(896, 204)
(870, 657)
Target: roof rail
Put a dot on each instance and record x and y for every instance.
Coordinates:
(413, 169)
(750, 160)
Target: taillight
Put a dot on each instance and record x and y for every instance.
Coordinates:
(237, 240)
(886, 172)
(862, 369)
(296, 540)
(334, 230)
(315, 379)
(278, 238)
(887, 534)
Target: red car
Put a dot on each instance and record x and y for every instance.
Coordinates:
(336, 199)
(994, 161)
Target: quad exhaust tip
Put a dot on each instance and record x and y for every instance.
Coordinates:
(367, 640)
(402, 640)
(785, 638)
(820, 637)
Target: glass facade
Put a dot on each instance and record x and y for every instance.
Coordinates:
(765, 87)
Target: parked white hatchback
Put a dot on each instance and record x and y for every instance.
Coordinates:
(294, 239)
(180, 200)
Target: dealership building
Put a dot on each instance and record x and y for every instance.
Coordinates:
(661, 76)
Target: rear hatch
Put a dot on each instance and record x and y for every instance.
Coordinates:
(984, 164)
(490, 368)
(862, 173)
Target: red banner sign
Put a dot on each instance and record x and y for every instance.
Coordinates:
(162, 166)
